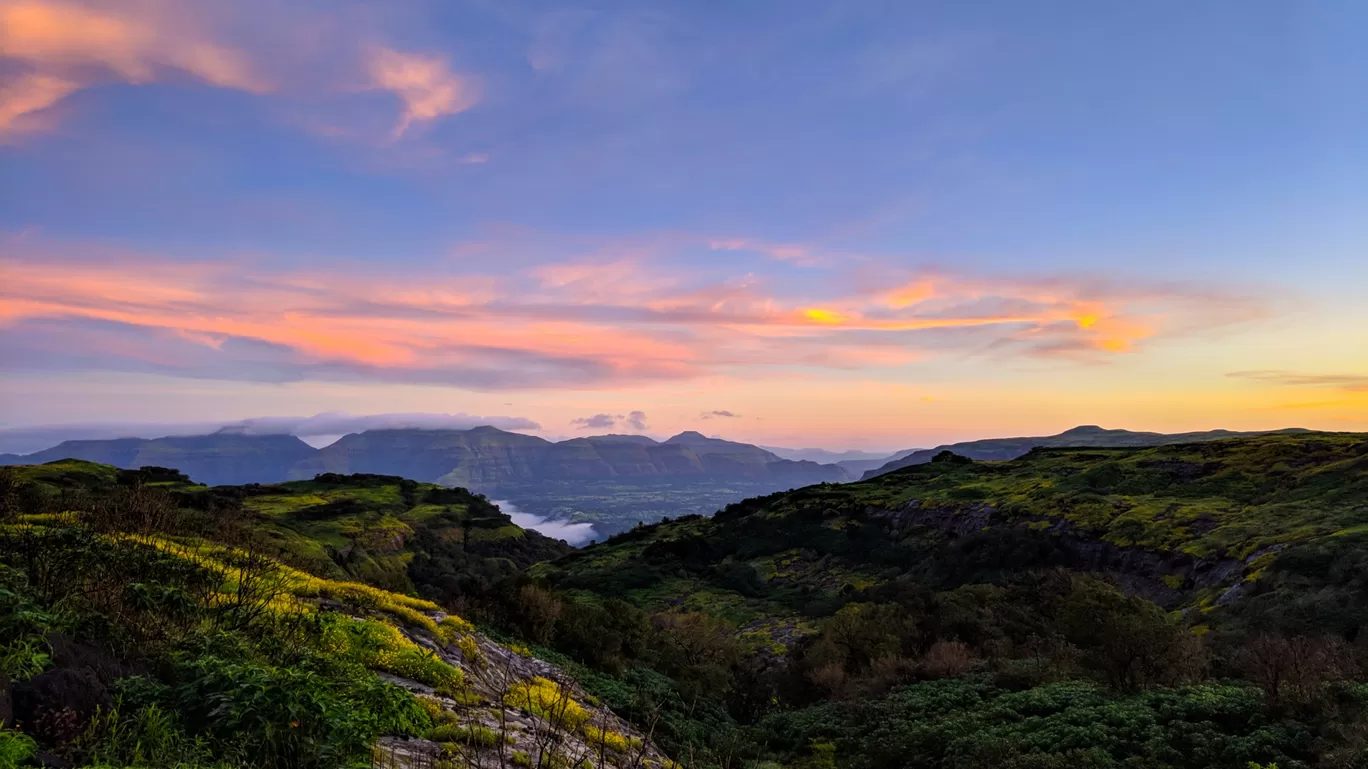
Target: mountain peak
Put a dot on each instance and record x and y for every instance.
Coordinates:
(688, 435)
(1085, 430)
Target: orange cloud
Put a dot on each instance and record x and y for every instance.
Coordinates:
(568, 323)
(1357, 383)
(827, 317)
(28, 94)
(63, 47)
(425, 85)
(910, 294)
(794, 253)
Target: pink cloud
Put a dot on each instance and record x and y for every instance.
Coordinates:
(575, 323)
(424, 84)
(62, 47)
(794, 253)
(53, 48)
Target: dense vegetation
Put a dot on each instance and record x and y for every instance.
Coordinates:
(147, 621)
(1083, 436)
(610, 481)
(1198, 605)
(1186, 606)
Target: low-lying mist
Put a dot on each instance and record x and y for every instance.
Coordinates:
(573, 533)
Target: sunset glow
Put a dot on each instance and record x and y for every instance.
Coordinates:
(222, 211)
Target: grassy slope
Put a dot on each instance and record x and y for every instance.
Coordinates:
(1079, 437)
(1196, 503)
(411, 641)
(363, 527)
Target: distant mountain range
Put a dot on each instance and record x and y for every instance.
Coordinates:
(1090, 436)
(222, 458)
(612, 482)
(853, 462)
(482, 459)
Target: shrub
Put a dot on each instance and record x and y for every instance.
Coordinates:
(452, 627)
(141, 736)
(15, 749)
(436, 713)
(471, 651)
(412, 616)
(544, 698)
(382, 647)
(474, 734)
(291, 717)
(947, 659)
(602, 738)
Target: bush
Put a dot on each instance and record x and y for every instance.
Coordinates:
(602, 738)
(474, 734)
(290, 717)
(545, 699)
(15, 749)
(144, 736)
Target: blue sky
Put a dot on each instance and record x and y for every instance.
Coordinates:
(684, 207)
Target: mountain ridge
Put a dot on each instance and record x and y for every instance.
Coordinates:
(482, 457)
(1080, 437)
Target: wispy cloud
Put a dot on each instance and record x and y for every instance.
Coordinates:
(596, 422)
(61, 47)
(794, 253)
(425, 85)
(53, 48)
(572, 324)
(635, 420)
(1347, 382)
(24, 440)
(718, 413)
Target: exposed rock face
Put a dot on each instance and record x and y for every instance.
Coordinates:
(564, 728)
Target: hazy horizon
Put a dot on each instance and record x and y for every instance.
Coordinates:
(321, 430)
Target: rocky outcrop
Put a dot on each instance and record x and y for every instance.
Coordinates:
(516, 710)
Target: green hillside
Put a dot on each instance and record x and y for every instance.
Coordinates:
(1176, 607)
(147, 621)
(1179, 524)
(1074, 607)
(387, 531)
(1083, 436)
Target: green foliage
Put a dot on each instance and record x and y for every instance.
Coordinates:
(380, 646)
(546, 700)
(289, 717)
(15, 749)
(24, 625)
(474, 735)
(246, 671)
(972, 723)
(946, 614)
(148, 735)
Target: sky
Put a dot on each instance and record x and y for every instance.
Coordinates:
(865, 225)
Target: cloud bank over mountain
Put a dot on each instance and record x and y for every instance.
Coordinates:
(22, 440)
